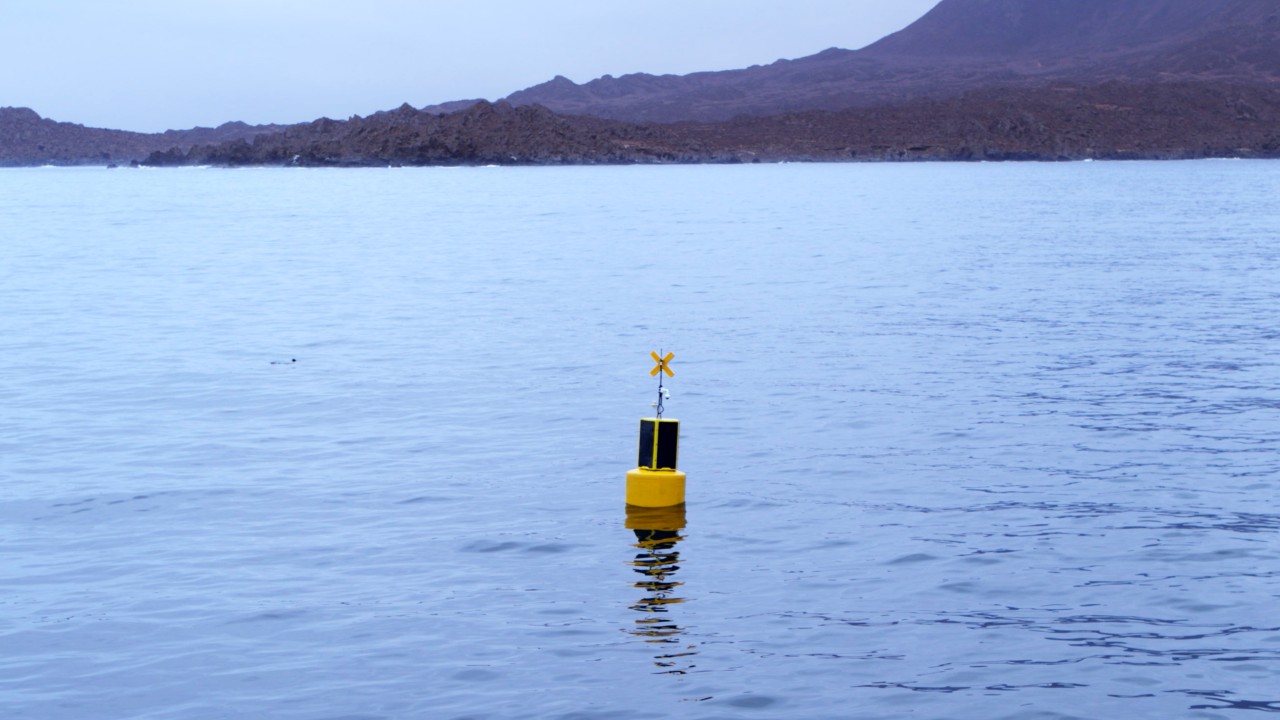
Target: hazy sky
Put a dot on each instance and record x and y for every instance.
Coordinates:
(158, 64)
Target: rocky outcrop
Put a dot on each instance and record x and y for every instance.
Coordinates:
(28, 139)
(482, 134)
(1062, 121)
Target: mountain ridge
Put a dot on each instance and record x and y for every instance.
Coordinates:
(959, 46)
(1063, 121)
(1013, 28)
(970, 80)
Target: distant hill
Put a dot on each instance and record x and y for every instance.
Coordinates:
(1069, 36)
(971, 80)
(28, 139)
(960, 46)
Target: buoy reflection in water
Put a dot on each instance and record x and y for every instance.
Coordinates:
(657, 532)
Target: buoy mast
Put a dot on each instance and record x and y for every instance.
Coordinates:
(656, 482)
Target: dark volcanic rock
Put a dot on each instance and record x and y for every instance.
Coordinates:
(451, 106)
(1061, 121)
(28, 139)
(482, 134)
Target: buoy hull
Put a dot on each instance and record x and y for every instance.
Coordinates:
(655, 488)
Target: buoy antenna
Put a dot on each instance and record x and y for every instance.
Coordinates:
(655, 482)
(663, 367)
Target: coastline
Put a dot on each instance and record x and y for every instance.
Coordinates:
(1052, 123)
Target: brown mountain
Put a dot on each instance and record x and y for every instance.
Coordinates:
(28, 139)
(961, 46)
(972, 79)
(1079, 32)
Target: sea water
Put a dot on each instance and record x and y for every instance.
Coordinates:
(963, 441)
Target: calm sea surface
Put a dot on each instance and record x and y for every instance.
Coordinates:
(963, 441)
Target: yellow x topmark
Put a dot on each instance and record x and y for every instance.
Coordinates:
(663, 365)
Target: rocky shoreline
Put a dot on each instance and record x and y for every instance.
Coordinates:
(26, 139)
(971, 80)
(1062, 121)
(1057, 122)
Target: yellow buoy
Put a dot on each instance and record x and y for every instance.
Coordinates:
(655, 488)
(656, 482)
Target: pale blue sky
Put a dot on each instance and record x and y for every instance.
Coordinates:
(157, 64)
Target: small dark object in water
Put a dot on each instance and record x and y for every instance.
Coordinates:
(281, 362)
